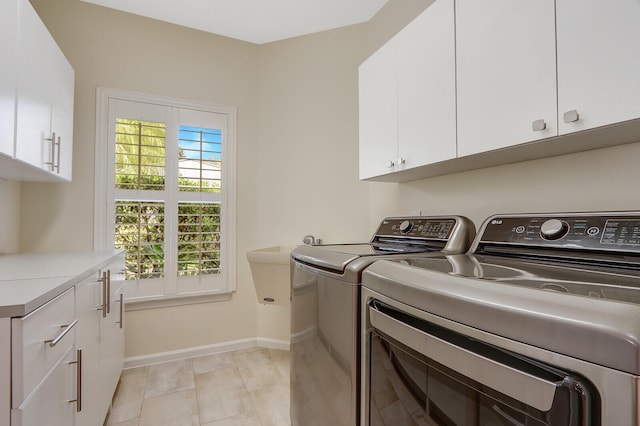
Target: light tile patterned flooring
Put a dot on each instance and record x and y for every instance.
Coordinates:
(246, 387)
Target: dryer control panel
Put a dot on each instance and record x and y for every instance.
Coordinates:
(416, 227)
(602, 232)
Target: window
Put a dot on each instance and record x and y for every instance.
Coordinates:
(165, 193)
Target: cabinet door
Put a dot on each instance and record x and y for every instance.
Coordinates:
(506, 73)
(62, 113)
(378, 112)
(8, 53)
(50, 404)
(598, 62)
(88, 301)
(112, 340)
(33, 124)
(427, 88)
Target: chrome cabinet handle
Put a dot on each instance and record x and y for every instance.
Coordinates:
(121, 309)
(67, 329)
(401, 161)
(538, 125)
(103, 308)
(108, 291)
(571, 116)
(53, 151)
(78, 363)
(58, 156)
(521, 386)
(390, 164)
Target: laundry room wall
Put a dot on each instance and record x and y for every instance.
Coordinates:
(297, 150)
(597, 180)
(119, 50)
(9, 217)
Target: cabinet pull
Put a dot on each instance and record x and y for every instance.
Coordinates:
(401, 161)
(538, 125)
(390, 164)
(58, 155)
(67, 328)
(121, 309)
(53, 151)
(108, 291)
(571, 116)
(103, 308)
(78, 363)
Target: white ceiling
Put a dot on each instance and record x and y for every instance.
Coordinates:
(256, 21)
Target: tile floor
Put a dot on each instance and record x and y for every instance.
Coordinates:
(246, 387)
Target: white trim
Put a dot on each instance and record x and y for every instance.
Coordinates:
(165, 302)
(139, 361)
(103, 228)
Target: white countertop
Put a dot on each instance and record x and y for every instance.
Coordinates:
(27, 281)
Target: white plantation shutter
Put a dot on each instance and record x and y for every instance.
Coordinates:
(169, 195)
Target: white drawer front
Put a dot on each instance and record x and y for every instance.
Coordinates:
(50, 404)
(33, 352)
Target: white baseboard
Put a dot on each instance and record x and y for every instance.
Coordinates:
(139, 361)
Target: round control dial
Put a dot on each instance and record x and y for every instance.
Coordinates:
(406, 226)
(554, 229)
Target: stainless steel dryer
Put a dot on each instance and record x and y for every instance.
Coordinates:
(538, 325)
(325, 312)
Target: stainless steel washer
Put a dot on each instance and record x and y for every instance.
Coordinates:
(325, 312)
(538, 325)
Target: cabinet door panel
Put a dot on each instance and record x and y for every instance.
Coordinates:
(598, 62)
(62, 112)
(427, 87)
(506, 73)
(111, 340)
(378, 112)
(33, 124)
(49, 404)
(88, 300)
(8, 53)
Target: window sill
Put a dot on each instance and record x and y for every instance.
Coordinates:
(140, 304)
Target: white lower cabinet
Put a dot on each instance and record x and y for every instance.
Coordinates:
(50, 403)
(101, 339)
(60, 363)
(44, 385)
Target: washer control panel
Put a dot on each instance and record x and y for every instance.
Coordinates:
(417, 227)
(614, 232)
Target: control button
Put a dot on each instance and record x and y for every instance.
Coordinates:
(406, 227)
(520, 229)
(554, 229)
(594, 230)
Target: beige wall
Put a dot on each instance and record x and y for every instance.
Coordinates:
(604, 179)
(9, 216)
(297, 149)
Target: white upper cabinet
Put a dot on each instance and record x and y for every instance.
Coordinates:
(8, 46)
(378, 77)
(598, 62)
(407, 96)
(427, 88)
(506, 73)
(44, 108)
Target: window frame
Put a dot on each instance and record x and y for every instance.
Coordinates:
(104, 218)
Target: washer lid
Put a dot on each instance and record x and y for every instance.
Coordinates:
(336, 257)
(594, 329)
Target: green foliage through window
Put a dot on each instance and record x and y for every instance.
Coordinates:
(140, 164)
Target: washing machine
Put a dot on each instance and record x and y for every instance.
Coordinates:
(325, 310)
